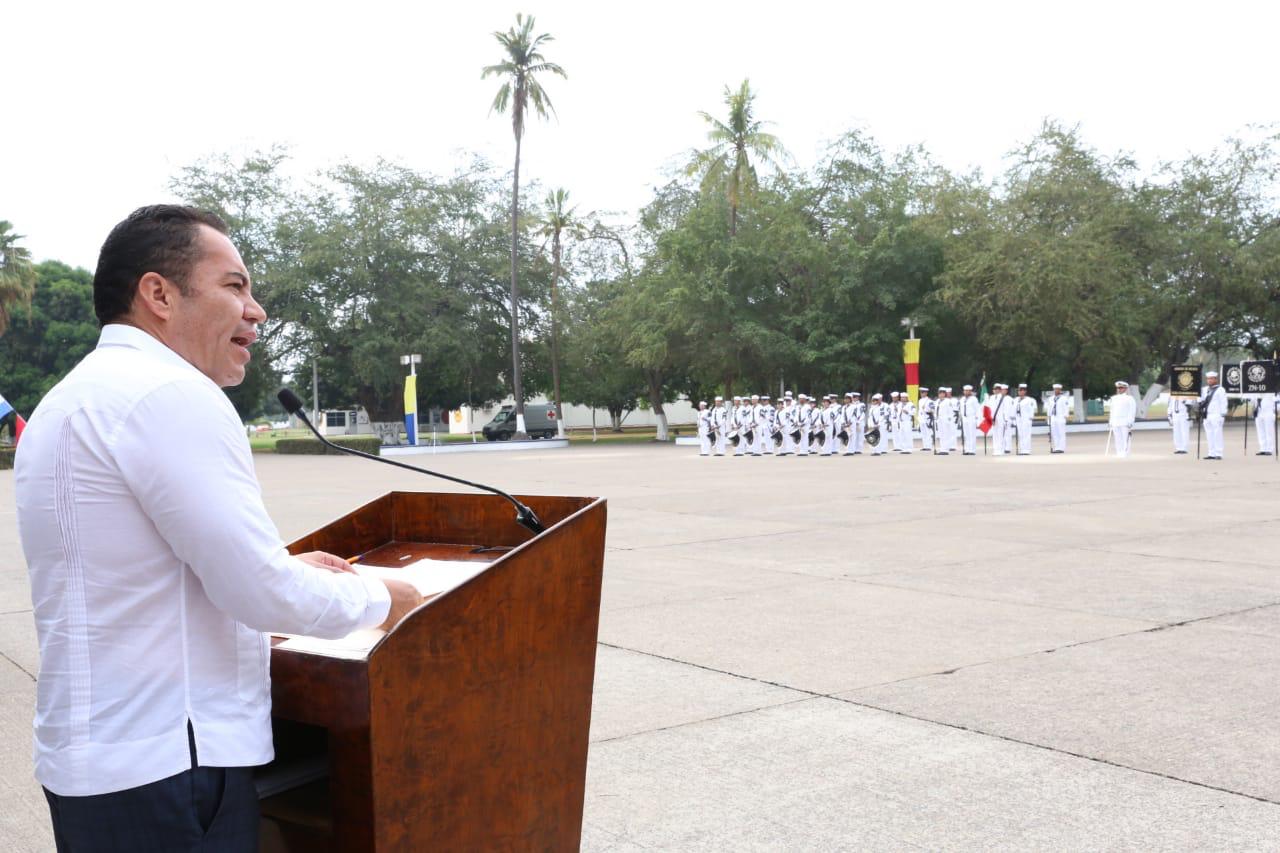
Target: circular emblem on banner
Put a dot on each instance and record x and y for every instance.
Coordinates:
(1257, 373)
(1233, 375)
(1185, 380)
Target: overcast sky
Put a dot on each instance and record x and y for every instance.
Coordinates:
(104, 102)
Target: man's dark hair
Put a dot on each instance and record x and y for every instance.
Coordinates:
(160, 238)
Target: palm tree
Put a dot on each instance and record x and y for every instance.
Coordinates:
(557, 223)
(519, 92)
(733, 144)
(17, 276)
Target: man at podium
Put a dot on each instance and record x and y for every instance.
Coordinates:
(155, 571)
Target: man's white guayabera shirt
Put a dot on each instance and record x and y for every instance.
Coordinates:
(154, 573)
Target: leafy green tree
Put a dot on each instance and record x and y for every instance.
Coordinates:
(520, 91)
(17, 277)
(727, 163)
(557, 223)
(1050, 274)
(49, 335)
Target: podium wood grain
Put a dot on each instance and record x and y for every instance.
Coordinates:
(466, 727)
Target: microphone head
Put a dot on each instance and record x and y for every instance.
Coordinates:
(290, 401)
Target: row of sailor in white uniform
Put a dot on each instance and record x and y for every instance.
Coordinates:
(804, 425)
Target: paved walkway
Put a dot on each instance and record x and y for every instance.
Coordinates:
(1054, 653)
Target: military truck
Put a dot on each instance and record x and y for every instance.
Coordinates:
(539, 422)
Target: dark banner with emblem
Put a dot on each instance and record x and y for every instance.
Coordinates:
(1232, 380)
(1258, 377)
(1185, 382)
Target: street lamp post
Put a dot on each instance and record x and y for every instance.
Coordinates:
(411, 396)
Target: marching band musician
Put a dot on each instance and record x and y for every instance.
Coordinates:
(970, 413)
(888, 434)
(857, 415)
(741, 414)
(1055, 412)
(835, 414)
(802, 425)
(878, 419)
(753, 421)
(1124, 409)
(1179, 416)
(787, 420)
(1264, 420)
(720, 422)
(704, 429)
(1024, 411)
(906, 423)
(1213, 408)
(927, 408)
(816, 434)
(760, 422)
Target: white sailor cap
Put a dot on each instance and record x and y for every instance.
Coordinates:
(848, 393)
(702, 403)
(1022, 386)
(737, 398)
(856, 394)
(787, 395)
(1057, 386)
(719, 399)
(926, 388)
(755, 396)
(801, 397)
(965, 388)
(765, 397)
(1120, 383)
(1212, 374)
(832, 396)
(893, 393)
(877, 396)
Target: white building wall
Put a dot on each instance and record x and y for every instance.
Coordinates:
(679, 413)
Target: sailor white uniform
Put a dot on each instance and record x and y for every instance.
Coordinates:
(970, 414)
(802, 425)
(769, 419)
(906, 424)
(1055, 412)
(944, 423)
(995, 402)
(720, 420)
(1024, 411)
(784, 424)
(817, 435)
(1213, 400)
(1124, 409)
(928, 408)
(878, 419)
(858, 424)
(1179, 416)
(742, 422)
(831, 425)
(704, 429)
(1264, 421)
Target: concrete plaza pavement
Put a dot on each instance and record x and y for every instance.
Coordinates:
(1051, 653)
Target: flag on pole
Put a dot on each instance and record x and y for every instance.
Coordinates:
(20, 424)
(5, 408)
(911, 361)
(411, 407)
(17, 433)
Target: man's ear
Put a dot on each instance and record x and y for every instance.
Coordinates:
(155, 296)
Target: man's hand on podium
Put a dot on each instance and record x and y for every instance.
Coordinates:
(324, 560)
(404, 598)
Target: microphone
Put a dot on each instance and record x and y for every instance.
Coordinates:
(524, 516)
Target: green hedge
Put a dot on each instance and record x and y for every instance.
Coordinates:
(312, 446)
(6, 458)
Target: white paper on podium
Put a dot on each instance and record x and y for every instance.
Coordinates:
(431, 577)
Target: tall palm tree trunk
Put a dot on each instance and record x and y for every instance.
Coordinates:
(555, 336)
(517, 386)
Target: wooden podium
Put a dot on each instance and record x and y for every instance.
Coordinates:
(465, 727)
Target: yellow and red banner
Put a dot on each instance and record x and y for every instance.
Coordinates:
(411, 408)
(911, 360)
